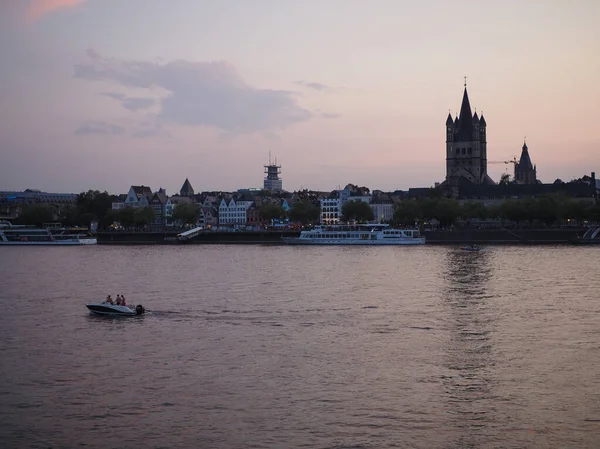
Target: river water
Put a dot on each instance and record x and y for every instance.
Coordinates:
(289, 347)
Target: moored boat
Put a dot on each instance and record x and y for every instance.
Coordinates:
(108, 309)
(359, 234)
(25, 235)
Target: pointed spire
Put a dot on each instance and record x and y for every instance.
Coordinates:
(465, 120)
(525, 160)
(475, 117)
(449, 121)
(482, 120)
(186, 189)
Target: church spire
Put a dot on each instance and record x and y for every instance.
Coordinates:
(465, 120)
(525, 161)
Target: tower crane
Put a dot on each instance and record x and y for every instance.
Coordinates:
(510, 161)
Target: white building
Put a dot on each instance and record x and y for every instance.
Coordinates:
(138, 196)
(331, 208)
(232, 213)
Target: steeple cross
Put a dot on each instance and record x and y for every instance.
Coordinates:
(465, 81)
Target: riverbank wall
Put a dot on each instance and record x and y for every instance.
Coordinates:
(169, 238)
(441, 237)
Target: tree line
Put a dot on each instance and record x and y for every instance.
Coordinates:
(548, 210)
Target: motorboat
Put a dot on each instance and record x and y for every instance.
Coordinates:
(108, 309)
(471, 248)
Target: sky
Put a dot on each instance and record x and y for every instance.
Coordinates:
(104, 94)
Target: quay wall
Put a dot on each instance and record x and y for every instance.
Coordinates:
(487, 236)
(158, 238)
(508, 236)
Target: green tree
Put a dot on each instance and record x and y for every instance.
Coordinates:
(358, 211)
(36, 214)
(96, 204)
(472, 209)
(126, 216)
(70, 216)
(504, 179)
(269, 212)
(186, 213)
(406, 213)
(446, 211)
(305, 212)
(144, 216)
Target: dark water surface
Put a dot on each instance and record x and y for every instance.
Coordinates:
(288, 347)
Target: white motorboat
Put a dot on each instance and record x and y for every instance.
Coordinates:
(108, 309)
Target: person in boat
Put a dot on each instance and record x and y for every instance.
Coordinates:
(123, 300)
(109, 299)
(118, 300)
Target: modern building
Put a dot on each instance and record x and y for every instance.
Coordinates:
(273, 181)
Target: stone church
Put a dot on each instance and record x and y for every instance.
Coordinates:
(525, 171)
(466, 149)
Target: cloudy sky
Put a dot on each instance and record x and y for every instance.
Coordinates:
(103, 94)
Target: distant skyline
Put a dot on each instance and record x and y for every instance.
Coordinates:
(103, 94)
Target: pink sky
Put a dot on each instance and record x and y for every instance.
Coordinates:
(104, 93)
(39, 8)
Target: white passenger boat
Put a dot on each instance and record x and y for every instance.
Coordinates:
(360, 234)
(23, 235)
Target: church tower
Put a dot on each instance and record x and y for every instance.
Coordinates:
(466, 148)
(525, 171)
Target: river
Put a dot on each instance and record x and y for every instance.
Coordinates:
(289, 347)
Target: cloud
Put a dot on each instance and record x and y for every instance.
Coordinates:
(99, 128)
(316, 86)
(39, 8)
(200, 94)
(131, 103)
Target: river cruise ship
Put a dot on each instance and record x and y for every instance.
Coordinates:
(359, 234)
(23, 235)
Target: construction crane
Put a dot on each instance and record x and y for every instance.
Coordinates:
(510, 161)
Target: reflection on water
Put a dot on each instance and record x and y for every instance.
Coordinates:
(469, 357)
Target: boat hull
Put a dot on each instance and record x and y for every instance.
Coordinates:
(111, 310)
(355, 242)
(53, 243)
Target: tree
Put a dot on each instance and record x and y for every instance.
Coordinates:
(186, 213)
(144, 216)
(358, 211)
(305, 212)
(96, 204)
(504, 179)
(445, 210)
(70, 216)
(406, 213)
(270, 212)
(472, 209)
(126, 216)
(36, 214)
